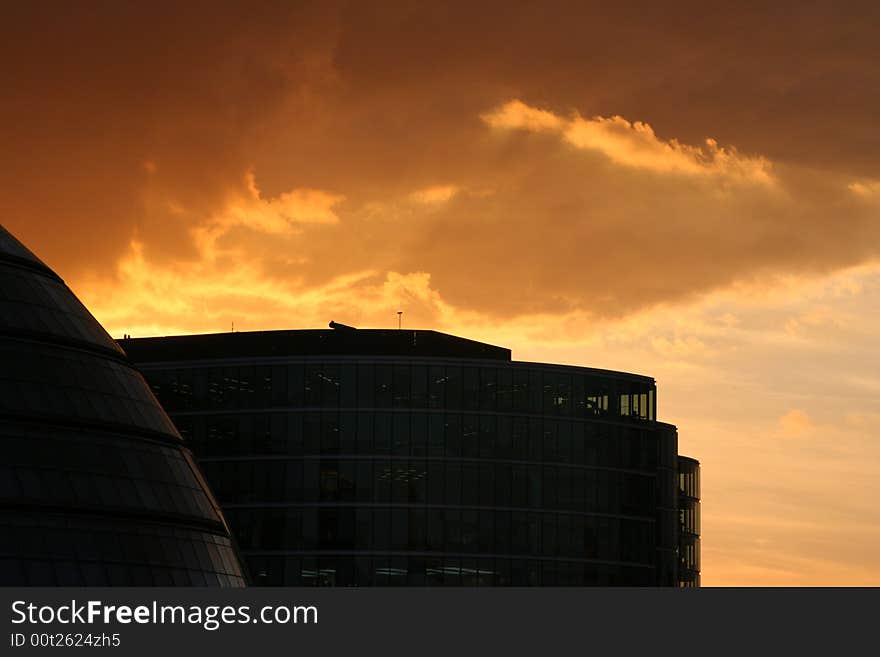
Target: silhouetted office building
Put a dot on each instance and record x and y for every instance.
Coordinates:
(398, 457)
(96, 487)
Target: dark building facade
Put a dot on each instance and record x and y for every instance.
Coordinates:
(688, 521)
(96, 485)
(372, 457)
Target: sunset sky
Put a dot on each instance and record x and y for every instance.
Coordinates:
(687, 192)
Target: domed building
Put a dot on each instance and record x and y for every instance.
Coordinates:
(96, 485)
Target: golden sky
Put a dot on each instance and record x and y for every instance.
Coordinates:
(691, 193)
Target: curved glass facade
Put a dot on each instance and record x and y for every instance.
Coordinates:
(96, 486)
(378, 470)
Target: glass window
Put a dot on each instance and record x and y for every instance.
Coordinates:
(418, 486)
(564, 484)
(487, 438)
(470, 530)
(519, 438)
(381, 529)
(436, 387)
(402, 393)
(400, 476)
(311, 479)
(295, 384)
(548, 440)
(453, 387)
(348, 385)
(419, 375)
(400, 446)
(452, 518)
(435, 477)
(520, 390)
(453, 483)
(534, 485)
(364, 481)
(366, 385)
(363, 528)
(563, 441)
(550, 398)
(418, 434)
(470, 484)
(382, 435)
(347, 433)
(279, 385)
(470, 435)
(549, 534)
(551, 488)
(488, 388)
(311, 433)
(625, 409)
(486, 543)
(364, 433)
(487, 484)
(504, 392)
(383, 388)
(471, 389)
(382, 477)
(435, 533)
(436, 435)
(503, 445)
(329, 433)
(399, 529)
(329, 378)
(519, 494)
(418, 528)
(453, 435)
(536, 439)
(502, 484)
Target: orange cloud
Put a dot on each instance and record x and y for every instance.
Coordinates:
(865, 189)
(634, 144)
(279, 215)
(796, 423)
(434, 194)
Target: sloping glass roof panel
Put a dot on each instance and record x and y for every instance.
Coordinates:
(96, 485)
(39, 304)
(10, 246)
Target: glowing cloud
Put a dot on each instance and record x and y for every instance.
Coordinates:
(867, 189)
(633, 144)
(796, 424)
(435, 194)
(279, 215)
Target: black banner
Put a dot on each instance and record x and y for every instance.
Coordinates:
(409, 621)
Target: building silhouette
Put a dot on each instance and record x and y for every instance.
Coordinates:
(688, 521)
(400, 457)
(96, 485)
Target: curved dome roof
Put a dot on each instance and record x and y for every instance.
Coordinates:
(96, 485)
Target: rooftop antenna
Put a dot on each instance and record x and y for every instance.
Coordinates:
(399, 319)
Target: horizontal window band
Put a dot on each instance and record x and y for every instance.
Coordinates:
(624, 421)
(124, 431)
(31, 265)
(29, 511)
(391, 554)
(64, 342)
(326, 457)
(233, 506)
